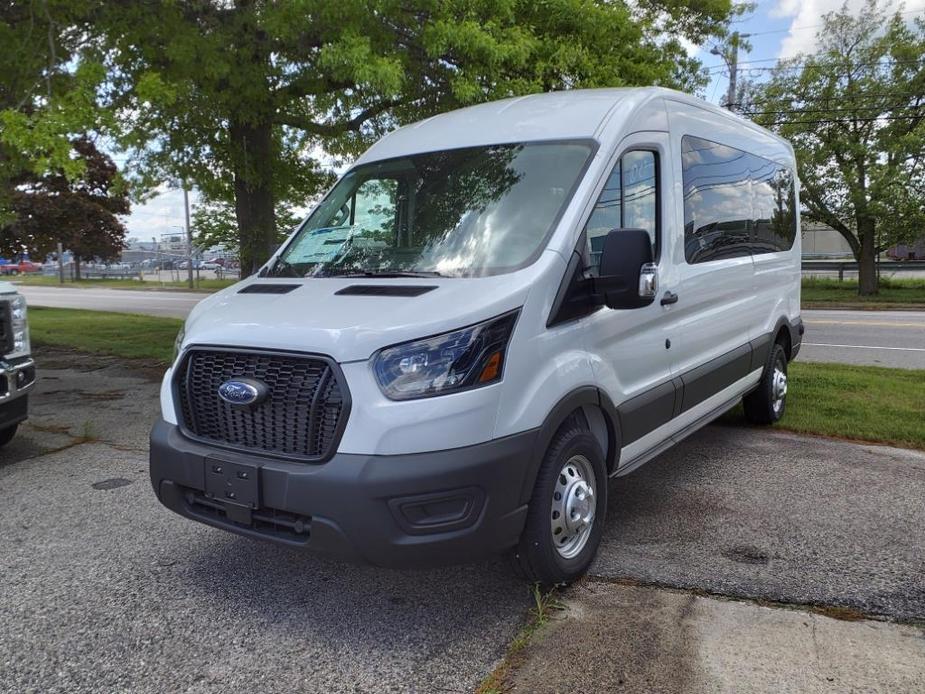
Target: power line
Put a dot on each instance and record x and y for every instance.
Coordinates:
(877, 109)
(832, 121)
(714, 69)
(814, 26)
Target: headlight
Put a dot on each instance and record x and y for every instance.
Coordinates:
(19, 320)
(178, 343)
(467, 358)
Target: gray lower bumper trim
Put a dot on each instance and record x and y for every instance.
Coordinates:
(441, 507)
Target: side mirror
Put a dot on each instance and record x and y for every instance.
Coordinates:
(628, 277)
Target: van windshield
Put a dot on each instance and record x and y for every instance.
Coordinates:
(455, 213)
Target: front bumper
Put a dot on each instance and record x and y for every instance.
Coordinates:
(17, 378)
(422, 509)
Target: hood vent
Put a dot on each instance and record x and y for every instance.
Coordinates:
(268, 288)
(383, 290)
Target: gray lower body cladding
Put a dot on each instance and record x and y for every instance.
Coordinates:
(435, 508)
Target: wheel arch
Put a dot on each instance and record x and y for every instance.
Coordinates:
(782, 336)
(600, 416)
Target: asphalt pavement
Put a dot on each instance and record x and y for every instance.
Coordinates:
(153, 302)
(879, 338)
(102, 589)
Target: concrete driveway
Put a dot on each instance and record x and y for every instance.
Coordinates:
(101, 589)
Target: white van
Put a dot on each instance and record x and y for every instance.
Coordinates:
(493, 312)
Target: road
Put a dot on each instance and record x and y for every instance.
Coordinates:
(105, 590)
(880, 338)
(150, 302)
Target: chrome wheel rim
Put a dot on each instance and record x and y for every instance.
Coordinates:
(778, 388)
(574, 502)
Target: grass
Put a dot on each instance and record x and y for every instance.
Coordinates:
(544, 605)
(862, 403)
(207, 284)
(902, 293)
(123, 335)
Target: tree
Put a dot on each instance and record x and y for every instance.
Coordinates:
(79, 213)
(214, 223)
(854, 112)
(236, 96)
(44, 99)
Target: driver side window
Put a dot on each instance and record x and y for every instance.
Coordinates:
(629, 200)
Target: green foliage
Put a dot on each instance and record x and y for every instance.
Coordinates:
(854, 113)
(80, 212)
(44, 98)
(214, 224)
(238, 98)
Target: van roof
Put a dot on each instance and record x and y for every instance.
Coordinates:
(563, 115)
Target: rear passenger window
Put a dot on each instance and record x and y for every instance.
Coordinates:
(735, 203)
(629, 200)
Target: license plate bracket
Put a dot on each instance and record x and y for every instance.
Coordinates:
(236, 484)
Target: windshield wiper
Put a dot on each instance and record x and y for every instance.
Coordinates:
(353, 272)
(281, 268)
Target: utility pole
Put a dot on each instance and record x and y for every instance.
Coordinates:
(731, 57)
(60, 262)
(189, 237)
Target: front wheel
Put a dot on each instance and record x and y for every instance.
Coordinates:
(6, 435)
(565, 518)
(766, 404)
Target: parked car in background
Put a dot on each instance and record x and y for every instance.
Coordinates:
(21, 267)
(17, 369)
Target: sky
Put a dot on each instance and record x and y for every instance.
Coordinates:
(778, 28)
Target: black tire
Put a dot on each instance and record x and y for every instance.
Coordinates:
(536, 558)
(6, 435)
(765, 404)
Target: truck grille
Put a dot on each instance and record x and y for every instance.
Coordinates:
(6, 328)
(302, 415)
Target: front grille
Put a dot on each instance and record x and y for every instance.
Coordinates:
(301, 417)
(6, 328)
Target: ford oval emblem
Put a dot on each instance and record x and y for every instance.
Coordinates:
(242, 391)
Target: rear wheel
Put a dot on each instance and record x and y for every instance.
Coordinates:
(566, 514)
(766, 404)
(6, 435)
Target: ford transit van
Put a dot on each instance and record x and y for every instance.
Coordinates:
(491, 313)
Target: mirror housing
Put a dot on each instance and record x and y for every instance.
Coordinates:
(628, 275)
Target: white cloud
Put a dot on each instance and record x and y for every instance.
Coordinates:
(808, 13)
(161, 214)
(692, 48)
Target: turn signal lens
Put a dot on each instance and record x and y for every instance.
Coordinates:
(492, 368)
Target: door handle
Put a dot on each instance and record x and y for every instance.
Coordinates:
(669, 298)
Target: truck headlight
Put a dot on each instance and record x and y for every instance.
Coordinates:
(20, 325)
(467, 358)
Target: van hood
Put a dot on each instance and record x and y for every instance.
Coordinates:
(345, 318)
